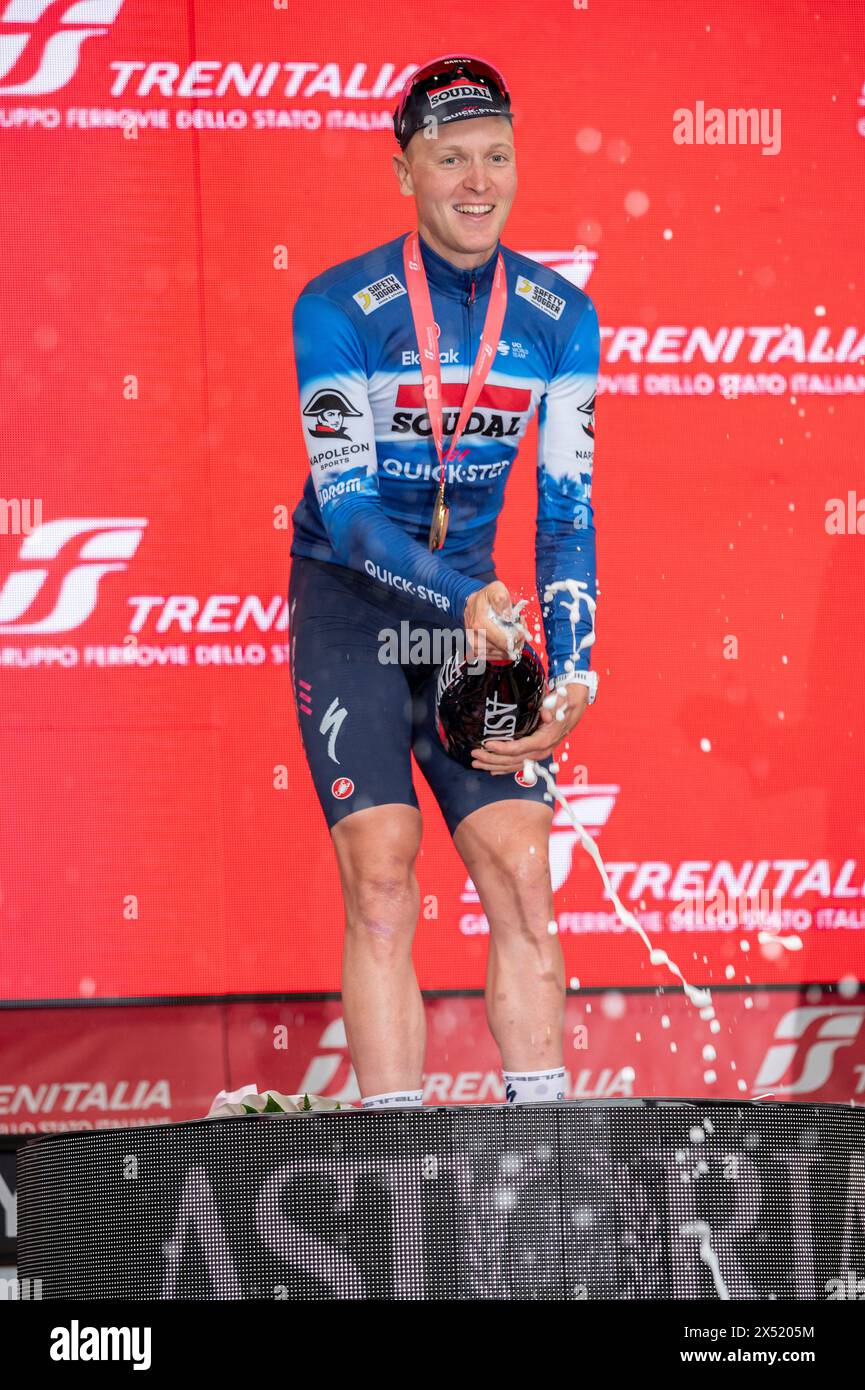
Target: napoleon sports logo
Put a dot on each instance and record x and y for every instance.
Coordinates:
(809, 1037)
(66, 560)
(41, 41)
(330, 408)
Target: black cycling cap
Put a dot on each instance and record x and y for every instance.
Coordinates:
(452, 87)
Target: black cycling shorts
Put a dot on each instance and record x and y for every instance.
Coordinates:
(361, 720)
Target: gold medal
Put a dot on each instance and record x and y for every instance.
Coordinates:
(439, 525)
(426, 332)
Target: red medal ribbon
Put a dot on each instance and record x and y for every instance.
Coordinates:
(425, 332)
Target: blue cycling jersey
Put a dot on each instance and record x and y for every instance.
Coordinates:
(368, 500)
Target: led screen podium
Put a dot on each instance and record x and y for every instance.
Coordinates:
(629, 1199)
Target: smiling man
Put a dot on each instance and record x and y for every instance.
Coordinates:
(420, 364)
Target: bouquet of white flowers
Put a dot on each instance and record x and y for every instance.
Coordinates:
(248, 1101)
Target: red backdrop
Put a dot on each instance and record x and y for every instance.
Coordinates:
(157, 225)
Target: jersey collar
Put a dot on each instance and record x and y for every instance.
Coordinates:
(453, 280)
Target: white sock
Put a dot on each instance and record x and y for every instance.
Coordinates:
(534, 1085)
(392, 1100)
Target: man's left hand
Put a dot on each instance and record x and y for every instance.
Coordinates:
(502, 755)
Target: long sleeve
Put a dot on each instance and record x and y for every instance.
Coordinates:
(339, 432)
(565, 537)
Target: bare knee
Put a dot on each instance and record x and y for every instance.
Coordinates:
(519, 862)
(383, 903)
(527, 881)
(376, 859)
(518, 888)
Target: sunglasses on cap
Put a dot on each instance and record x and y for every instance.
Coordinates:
(444, 66)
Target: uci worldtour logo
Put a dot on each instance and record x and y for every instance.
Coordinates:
(41, 41)
(59, 588)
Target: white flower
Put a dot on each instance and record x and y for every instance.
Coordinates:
(271, 1102)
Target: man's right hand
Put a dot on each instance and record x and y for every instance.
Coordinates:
(484, 637)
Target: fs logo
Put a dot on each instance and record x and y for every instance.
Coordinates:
(66, 574)
(828, 1028)
(330, 1072)
(575, 265)
(40, 41)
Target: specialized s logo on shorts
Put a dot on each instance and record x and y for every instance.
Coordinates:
(334, 718)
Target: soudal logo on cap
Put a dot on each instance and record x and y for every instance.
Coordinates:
(342, 787)
(455, 87)
(459, 91)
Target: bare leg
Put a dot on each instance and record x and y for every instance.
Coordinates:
(384, 1015)
(505, 847)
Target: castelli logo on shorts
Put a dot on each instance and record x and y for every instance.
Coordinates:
(342, 787)
(526, 779)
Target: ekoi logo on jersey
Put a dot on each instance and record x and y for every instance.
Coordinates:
(330, 408)
(341, 788)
